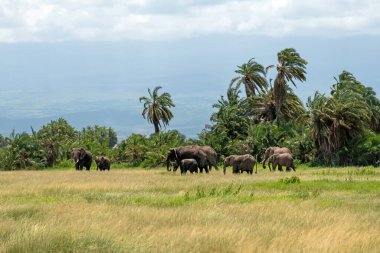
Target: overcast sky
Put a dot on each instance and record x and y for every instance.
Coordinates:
(115, 20)
(70, 57)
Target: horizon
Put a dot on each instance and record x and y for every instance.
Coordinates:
(91, 72)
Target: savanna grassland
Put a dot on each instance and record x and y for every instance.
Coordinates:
(326, 210)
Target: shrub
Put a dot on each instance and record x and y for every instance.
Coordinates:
(290, 180)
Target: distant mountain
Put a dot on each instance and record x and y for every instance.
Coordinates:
(123, 122)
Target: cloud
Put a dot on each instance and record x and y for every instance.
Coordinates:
(115, 20)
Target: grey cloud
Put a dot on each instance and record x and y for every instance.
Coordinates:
(115, 20)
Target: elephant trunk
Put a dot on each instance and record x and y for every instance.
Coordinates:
(168, 165)
(264, 167)
(224, 169)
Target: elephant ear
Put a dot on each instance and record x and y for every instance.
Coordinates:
(82, 153)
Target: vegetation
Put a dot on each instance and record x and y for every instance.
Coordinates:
(318, 210)
(337, 129)
(290, 67)
(123, 210)
(157, 108)
(252, 75)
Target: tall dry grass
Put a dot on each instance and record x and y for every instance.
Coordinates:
(331, 210)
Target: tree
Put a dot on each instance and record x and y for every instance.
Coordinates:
(335, 121)
(25, 151)
(135, 149)
(231, 118)
(99, 139)
(252, 75)
(56, 139)
(263, 107)
(291, 67)
(347, 81)
(157, 108)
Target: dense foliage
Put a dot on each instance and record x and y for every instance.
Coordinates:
(340, 128)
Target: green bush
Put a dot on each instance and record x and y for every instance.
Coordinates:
(290, 180)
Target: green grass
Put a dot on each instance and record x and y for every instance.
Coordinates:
(137, 210)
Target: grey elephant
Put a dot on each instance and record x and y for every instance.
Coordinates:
(274, 150)
(282, 160)
(180, 153)
(185, 165)
(82, 158)
(240, 163)
(212, 157)
(102, 163)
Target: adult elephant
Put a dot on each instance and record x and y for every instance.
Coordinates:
(240, 163)
(274, 150)
(212, 157)
(187, 152)
(82, 158)
(282, 160)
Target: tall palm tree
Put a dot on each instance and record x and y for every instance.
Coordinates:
(157, 108)
(290, 67)
(252, 75)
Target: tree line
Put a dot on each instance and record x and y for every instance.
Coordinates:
(339, 128)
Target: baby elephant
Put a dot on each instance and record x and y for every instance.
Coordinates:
(240, 163)
(102, 163)
(185, 165)
(282, 160)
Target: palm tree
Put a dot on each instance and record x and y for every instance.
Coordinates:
(263, 106)
(157, 108)
(252, 75)
(335, 120)
(347, 81)
(231, 119)
(291, 67)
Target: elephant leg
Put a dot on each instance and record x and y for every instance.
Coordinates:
(280, 167)
(287, 169)
(274, 166)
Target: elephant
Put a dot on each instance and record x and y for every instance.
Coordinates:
(240, 163)
(212, 157)
(180, 153)
(282, 160)
(185, 165)
(271, 151)
(102, 163)
(82, 158)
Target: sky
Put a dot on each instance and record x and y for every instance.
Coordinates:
(90, 61)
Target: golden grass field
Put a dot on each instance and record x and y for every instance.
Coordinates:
(136, 210)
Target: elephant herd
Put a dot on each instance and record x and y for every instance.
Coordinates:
(198, 158)
(83, 159)
(192, 158)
